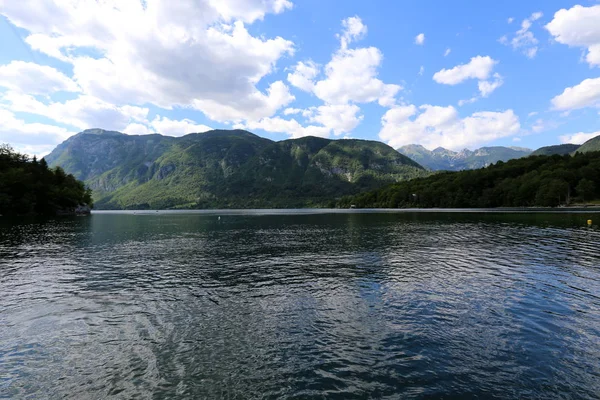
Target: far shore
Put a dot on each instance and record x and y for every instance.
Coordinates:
(233, 211)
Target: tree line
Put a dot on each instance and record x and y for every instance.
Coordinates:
(535, 181)
(29, 186)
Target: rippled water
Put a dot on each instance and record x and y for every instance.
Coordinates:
(347, 305)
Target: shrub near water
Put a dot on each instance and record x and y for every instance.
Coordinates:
(28, 186)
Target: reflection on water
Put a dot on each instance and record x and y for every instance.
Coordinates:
(347, 305)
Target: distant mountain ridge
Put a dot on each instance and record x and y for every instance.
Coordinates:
(444, 159)
(226, 168)
(560, 149)
(591, 145)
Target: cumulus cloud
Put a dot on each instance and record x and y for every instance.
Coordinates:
(289, 127)
(578, 27)
(184, 53)
(292, 111)
(585, 94)
(340, 118)
(348, 79)
(524, 39)
(303, 75)
(487, 87)
(350, 76)
(136, 129)
(31, 138)
(32, 78)
(478, 68)
(447, 52)
(167, 126)
(578, 138)
(354, 29)
(420, 39)
(83, 112)
(434, 126)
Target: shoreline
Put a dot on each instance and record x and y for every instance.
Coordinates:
(284, 211)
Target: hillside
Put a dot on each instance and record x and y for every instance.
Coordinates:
(448, 160)
(525, 182)
(557, 149)
(224, 168)
(591, 145)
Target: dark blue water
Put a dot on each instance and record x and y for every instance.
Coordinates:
(347, 305)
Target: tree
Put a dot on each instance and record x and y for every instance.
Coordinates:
(586, 189)
(546, 181)
(29, 187)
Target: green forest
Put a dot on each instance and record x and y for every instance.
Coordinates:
(535, 181)
(28, 187)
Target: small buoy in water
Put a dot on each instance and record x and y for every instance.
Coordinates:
(219, 218)
(589, 222)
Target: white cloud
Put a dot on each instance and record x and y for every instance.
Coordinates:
(304, 75)
(334, 119)
(136, 129)
(585, 94)
(541, 125)
(578, 138)
(510, 20)
(354, 29)
(288, 127)
(351, 77)
(166, 126)
(28, 77)
(578, 27)
(340, 118)
(421, 70)
(31, 138)
(83, 112)
(524, 39)
(434, 126)
(536, 15)
(420, 39)
(478, 68)
(184, 53)
(487, 87)
(538, 126)
(136, 113)
(447, 52)
(255, 106)
(468, 101)
(182, 127)
(292, 111)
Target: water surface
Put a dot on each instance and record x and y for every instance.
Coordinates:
(310, 304)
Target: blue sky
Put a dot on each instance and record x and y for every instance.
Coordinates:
(454, 74)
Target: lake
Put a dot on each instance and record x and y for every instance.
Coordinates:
(300, 304)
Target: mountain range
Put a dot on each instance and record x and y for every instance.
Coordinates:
(560, 149)
(441, 159)
(236, 168)
(226, 168)
(448, 160)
